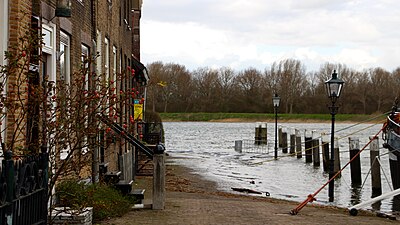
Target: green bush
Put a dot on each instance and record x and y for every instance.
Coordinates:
(106, 201)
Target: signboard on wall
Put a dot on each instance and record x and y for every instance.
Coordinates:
(138, 109)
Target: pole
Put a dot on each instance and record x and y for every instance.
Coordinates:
(332, 159)
(276, 131)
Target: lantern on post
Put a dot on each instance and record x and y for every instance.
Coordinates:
(334, 89)
(276, 100)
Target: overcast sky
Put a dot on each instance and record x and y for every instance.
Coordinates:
(255, 33)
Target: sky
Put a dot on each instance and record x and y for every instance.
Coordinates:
(241, 34)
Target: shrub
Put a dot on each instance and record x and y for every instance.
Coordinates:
(106, 201)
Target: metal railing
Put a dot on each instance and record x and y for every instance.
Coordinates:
(253, 146)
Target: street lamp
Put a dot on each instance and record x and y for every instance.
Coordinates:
(334, 88)
(276, 99)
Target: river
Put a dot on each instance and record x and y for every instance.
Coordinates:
(208, 148)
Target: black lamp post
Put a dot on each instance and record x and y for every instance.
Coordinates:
(276, 99)
(334, 88)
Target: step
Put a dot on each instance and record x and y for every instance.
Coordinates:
(124, 186)
(112, 177)
(138, 194)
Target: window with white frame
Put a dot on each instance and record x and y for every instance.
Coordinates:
(114, 70)
(65, 75)
(98, 49)
(85, 65)
(3, 48)
(64, 57)
(107, 58)
(48, 69)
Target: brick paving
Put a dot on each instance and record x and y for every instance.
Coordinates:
(193, 200)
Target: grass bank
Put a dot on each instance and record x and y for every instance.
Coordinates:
(254, 117)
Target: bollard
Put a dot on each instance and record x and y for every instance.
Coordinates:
(257, 136)
(159, 177)
(325, 152)
(292, 143)
(308, 146)
(284, 142)
(355, 165)
(238, 146)
(263, 134)
(375, 167)
(315, 149)
(280, 137)
(298, 144)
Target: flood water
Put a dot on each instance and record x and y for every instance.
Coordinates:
(208, 148)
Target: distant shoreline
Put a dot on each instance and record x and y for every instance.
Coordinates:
(265, 117)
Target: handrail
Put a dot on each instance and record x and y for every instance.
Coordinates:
(127, 136)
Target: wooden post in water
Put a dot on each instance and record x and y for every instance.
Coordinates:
(308, 146)
(284, 141)
(280, 136)
(292, 142)
(238, 146)
(257, 136)
(298, 143)
(375, 167)
(264, 134)
(337, 166)
(355, 165)
(315, 149)
(325, 152)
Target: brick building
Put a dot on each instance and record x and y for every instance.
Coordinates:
(110, 28)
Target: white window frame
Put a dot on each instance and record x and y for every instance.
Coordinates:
(50, 50)
(64, 55)
(65, 41)
(3, 47)
(85, 53)
(107, 58)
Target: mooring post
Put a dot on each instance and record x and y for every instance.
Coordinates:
(257, 136)
(315, 149)
(292, 142)
(298, 143)
(355, 165)
(238, 146)
(375, 167)
(325, 152)
(264, 134)
(159, 177)
(280, 136)
(308, 146)
(284, 141)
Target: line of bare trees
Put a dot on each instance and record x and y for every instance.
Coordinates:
(173, 88)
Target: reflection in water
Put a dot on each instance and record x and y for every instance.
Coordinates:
(396, 203)
(355, 194)
(377, 206)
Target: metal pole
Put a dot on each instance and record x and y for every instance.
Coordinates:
(332, 158)
(276, 132)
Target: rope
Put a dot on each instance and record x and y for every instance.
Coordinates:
(311, 197)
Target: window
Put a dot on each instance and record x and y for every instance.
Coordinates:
(64, 58)
(107, 59)
(85, 65)
(98, 49)
(114, 71)
(3, 47)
